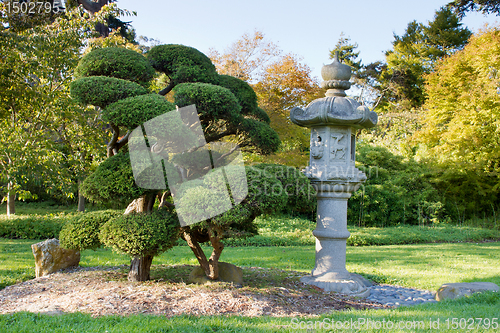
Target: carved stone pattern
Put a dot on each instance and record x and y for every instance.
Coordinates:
(317, 145)
(338, 149)
(336, 84)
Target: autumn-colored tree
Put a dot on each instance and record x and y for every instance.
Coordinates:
(246, 58)
(460, 130)
(280, 82)
(284, 84)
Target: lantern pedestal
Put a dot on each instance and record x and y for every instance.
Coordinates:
(331, 234)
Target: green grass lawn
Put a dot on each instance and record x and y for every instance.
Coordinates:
(442, 254)
(424, 266)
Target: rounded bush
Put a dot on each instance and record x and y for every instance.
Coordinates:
(112, 183)
(259, 136)
(212, 102)
(246, 97)
(141, 234)
(82, 231)
(102, 90)
(260, 114)
(116, 62)
(135, 111)
(182, 63)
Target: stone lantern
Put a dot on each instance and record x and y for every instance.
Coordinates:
(334, 120)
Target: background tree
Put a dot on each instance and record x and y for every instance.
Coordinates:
(16, 20)
(347, 53)
(415, 53)
(365, 78)
(460, 124)
(280, 81)
(246, 58)
(35, 104)
(461, 7)
(285, 83)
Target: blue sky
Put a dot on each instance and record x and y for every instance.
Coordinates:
(309, 29)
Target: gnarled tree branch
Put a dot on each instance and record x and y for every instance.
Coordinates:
(114, 139)
(167, 89)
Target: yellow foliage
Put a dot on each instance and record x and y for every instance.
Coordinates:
(462, 121)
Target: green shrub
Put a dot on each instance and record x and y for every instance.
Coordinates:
(102, 90)
(265, 195)
(301, 195)
(112, 184)
(396, 191)
(116, 62)
(246, 97)
(140, 234)
(135, 111)
(259, 137)
(182, 64)
(82, 231)
(213, 103)
(31, 227)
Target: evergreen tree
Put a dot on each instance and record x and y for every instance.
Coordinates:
(415, 53)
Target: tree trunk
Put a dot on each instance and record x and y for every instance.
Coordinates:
(11, 200)
(139, 205)
(143, 204)
(81, 199)
(197, 250)
(140, 268)
(213, 262)
(209, 266)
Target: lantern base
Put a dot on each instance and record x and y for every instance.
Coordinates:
(353, 285)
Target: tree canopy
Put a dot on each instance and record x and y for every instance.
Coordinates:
(461, 7)
(42, 128)
(415, 53)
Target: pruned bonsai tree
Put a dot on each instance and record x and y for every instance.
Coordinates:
(117, 80)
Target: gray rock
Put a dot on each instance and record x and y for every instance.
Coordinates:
(454, 290)
(50, 257)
